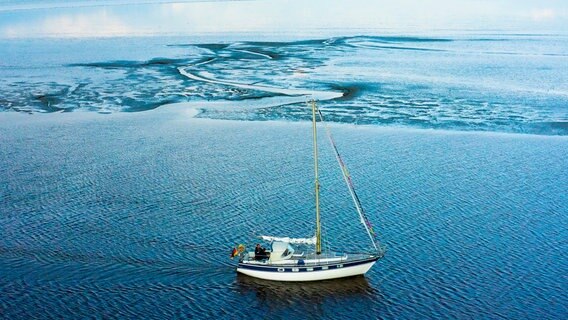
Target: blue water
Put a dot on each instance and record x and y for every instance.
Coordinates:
(130, 167)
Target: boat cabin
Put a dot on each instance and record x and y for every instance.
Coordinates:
(280, 250)
(277, 251)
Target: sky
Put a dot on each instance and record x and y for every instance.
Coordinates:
(107, 18)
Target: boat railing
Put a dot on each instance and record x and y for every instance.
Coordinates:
(306, 260)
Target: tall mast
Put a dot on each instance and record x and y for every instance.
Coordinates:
(317, 185)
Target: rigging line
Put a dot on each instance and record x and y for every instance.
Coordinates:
(347, 178)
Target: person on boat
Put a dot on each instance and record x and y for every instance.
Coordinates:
(260, 252)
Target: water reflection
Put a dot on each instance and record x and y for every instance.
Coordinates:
(315, 297)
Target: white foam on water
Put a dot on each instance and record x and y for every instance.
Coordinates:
(312, 94)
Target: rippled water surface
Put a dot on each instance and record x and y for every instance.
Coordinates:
(130, 167)
(133, 214)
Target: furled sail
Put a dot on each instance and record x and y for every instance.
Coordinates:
(290, 240)
(364, 220)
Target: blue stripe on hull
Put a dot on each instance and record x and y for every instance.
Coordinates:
(303, 268)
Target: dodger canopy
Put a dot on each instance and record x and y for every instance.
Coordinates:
(280, 250)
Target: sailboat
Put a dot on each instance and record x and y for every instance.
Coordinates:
(284, 261)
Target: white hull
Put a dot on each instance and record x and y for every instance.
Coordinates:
(316, 275)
